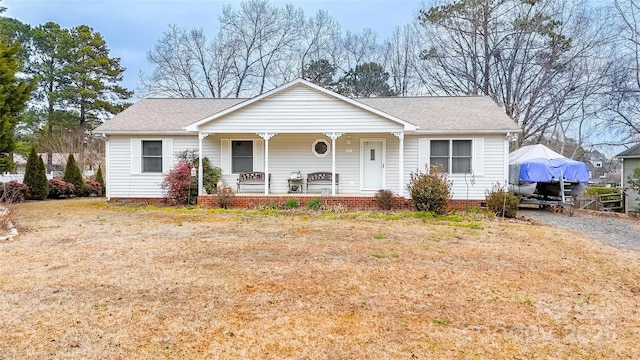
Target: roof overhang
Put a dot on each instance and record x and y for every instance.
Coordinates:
(195, 127)
(467, 131)
(144, 133)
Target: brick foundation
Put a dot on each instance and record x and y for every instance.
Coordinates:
(353, 202)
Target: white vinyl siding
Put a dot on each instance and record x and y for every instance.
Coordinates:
(293, 152)
(301, 108)
(488, 160)
(124, 166)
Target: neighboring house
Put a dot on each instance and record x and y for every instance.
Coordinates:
(630, 160)
(372, 143)
(59, 161)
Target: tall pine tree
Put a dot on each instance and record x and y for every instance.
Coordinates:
(14, 94)
(93, 78)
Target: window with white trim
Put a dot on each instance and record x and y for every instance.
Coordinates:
(453, 155)
(241, 156)
(151, 156)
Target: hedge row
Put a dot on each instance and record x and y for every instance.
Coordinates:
(14, 191)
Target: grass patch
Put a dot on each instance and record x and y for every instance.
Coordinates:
(440, 322)
(131, 283)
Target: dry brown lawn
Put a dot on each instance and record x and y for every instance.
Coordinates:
(89, 280)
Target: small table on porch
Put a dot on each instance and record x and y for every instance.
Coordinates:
(295, 185)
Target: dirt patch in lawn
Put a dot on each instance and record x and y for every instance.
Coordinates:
(88, 280)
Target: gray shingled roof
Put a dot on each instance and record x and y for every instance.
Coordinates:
(633, 151)
(430, 114)
(164, 115)
(446, 113)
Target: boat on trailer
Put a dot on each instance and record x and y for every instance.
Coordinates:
(539, 175)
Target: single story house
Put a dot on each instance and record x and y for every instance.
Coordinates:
(630, 160)
(58, 161)
(367, 143)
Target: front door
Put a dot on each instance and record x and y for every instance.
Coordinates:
(373, 164)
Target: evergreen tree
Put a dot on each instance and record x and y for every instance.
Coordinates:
(35, 177)
(93, 78)
(72, 175)
(367, 80)
(320, 72)
(100, 178)
(14, 94)
(78, 85)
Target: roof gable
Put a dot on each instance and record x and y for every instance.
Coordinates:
(310, 88)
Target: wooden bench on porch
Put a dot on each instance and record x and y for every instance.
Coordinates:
(321, 178)
(252, 178)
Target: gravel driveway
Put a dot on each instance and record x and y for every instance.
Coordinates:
(614, 231)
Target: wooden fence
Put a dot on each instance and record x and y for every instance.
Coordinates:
(613, 202)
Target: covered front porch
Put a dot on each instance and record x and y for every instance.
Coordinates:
(301, 127)
(355, 164)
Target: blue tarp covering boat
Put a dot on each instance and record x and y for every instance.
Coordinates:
(545, 170)
(537, 171)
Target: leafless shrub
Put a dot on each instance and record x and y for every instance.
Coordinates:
(385, 199)
(225, 198)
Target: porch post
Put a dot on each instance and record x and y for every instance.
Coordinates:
(266, 136)
(333, 136)
(400, 136)
(201, 136)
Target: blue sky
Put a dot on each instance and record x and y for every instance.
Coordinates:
(131, 27)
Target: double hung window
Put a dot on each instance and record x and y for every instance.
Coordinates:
(151, 156)
(241, 156)
(453, 155)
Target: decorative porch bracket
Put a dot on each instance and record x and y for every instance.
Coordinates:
(266, 136)
(400, 136)
(201, 136)
(333, 136)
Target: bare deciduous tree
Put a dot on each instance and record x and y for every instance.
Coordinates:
(186, 64)
(359, 48)
(624, 101)
(264, 36)
(526, 55)
(401, 52)
(320, 41)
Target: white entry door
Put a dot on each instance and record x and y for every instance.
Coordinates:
(373, 162)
